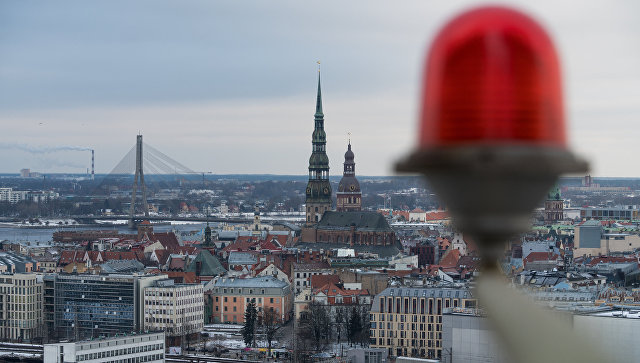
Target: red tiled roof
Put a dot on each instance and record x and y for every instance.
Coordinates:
(182, 277)
(162, 256)
(119, 255)
(318, 281)
(611, 259)
(450, 258)
(176, 263)
(443, 242)
(281, 238)
(540, 256)
(436, 216)
(67, 257)
(331, 289)
(167, 239)
(243, 243)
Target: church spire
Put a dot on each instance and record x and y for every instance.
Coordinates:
(318, 196)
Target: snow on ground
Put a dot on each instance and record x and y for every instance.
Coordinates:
(18, 354)
(223, 326)
(229, 343)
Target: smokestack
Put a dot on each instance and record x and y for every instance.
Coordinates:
(92, 168)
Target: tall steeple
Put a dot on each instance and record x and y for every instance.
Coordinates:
(318, 194)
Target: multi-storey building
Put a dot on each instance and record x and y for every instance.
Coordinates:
(126, 348)
(229, 297)
(21, 306)
(176, 309)
(408, 321)
(85, 306)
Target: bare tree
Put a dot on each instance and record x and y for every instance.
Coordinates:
(270, 324)
(340, 318)
(314, 325)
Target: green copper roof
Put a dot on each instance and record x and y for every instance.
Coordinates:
(210, 266)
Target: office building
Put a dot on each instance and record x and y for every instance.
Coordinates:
(84, 306)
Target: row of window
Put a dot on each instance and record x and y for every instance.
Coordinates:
(406, 318)
(407, 342)
(124, 351)
(178, 293)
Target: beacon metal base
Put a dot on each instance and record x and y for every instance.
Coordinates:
(491, 191)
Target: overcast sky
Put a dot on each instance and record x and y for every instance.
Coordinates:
(229, 86)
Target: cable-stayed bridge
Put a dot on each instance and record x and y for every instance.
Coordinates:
(143, 159)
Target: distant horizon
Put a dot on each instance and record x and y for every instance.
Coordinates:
(207, 175)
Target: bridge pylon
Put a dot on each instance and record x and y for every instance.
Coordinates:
(139, 175)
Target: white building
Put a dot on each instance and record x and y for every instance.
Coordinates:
(272, 270)
(15, 196)
(177, 309)
(21, 306)
(126, 348)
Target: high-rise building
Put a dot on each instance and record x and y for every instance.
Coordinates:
(21, 306)
(318, 193)
(349, 196)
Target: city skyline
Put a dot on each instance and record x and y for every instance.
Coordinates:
(229, 89)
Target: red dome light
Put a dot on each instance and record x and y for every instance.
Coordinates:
(492, 77)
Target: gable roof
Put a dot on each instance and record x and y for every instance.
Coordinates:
(450, 258)
(167, 239)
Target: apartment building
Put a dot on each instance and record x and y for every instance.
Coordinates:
(303, 271)
(407, 321)
(229, 297)
(21, 306)
(176, 309)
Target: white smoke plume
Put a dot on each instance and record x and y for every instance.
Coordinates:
(41, 149)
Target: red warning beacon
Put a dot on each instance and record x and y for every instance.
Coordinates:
(492, 77)
(492, 136)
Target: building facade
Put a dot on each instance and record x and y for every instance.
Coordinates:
(21, 316)
(122, 349)
(349, 196)
(408, 321)
(351, 228)
(85, 306)
(318, 193)
(229, 298)
(176, 309)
